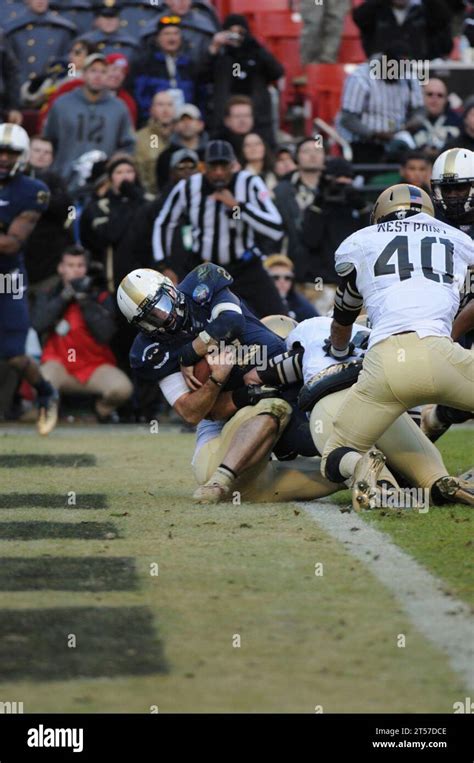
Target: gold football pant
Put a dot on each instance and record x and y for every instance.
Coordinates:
(268, 481)
(399, 373)
(408, 450)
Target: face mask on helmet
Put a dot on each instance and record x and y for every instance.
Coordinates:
(165, 313)
(456, 199)
(8, 167)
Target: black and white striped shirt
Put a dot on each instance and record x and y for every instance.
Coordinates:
(220, 234)
(382, 106)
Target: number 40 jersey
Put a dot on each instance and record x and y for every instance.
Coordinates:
(409, 274)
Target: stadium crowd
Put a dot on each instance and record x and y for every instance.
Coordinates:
(156, 142)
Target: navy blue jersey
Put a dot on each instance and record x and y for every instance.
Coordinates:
(20, 194)
(208, 300)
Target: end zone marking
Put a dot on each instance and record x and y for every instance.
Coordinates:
(110, 641)
(52, 501)
(29, 460)
(38, 530)
(59, 573)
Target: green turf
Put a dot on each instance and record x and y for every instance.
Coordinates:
(443, 539)
(223, 572)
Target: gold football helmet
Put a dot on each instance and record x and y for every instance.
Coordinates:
(281, 325)
(400, 201)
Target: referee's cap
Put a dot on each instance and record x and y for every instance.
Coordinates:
(219, 151)
(183, 155)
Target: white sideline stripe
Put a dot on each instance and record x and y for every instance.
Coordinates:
(443, 620)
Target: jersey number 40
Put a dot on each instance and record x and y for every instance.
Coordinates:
(404, 268)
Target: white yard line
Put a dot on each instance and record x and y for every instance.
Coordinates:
(442, 619)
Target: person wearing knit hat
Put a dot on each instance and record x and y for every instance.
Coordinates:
(165, 64)
(105, 222)
(199, 23)
(117, 71)
(236, 50)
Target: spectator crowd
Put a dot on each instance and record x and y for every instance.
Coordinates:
(156, 129)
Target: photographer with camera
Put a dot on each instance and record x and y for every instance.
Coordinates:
(106, 221)
(76, 321)
(339, 210)
(240, 65)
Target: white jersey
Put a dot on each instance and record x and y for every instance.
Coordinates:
(409, 273)
(311, 335)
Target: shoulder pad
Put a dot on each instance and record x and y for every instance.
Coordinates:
(35, 194)
(204, 282)
(344, 268)
(332, 379)
(153, 360)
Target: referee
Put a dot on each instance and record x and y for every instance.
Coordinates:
(226, 211)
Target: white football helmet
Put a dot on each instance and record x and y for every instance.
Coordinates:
(150, 301)
(14, 138)
(281, 325)
(452, 182)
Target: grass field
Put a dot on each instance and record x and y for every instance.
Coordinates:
(154, 603)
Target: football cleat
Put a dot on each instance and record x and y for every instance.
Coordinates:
(211, 492)
(48, 406)
(365, 491)
(467, 476)
(430, 424)
(456, 489)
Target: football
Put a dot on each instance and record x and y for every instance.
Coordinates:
(202, 370)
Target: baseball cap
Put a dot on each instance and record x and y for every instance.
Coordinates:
(183, 155)
(219, 151)
(93, 58)
(117, 59)
(188, 110)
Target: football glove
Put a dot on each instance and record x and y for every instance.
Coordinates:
(332, 352)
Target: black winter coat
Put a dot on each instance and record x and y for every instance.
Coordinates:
(426, 29)
(53, 231)
(104, 227)
(257, 69)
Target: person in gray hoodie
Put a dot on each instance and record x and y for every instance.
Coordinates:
(88, 118)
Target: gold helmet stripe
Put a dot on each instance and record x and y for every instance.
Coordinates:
(131, 291)
(8, 129)
(450, 162)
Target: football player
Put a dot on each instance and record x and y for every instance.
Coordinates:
(409, 453)
(22, 200)
(452, 183)
(282, 478)
(407, 268)
(178, 326)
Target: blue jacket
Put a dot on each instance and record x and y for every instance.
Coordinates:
(149, 75)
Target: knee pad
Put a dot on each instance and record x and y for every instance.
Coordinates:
(279, 409)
